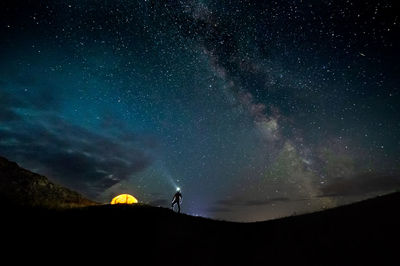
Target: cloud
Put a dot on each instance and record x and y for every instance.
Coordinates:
(7, 115)
(360, 184)
(258, 202)
(6, 104)
(265, 201)
(72, 155)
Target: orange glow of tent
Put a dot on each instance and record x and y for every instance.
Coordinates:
(124, 199)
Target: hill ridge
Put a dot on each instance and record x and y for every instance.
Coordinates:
(21, 187)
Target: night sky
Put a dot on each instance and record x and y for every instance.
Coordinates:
(256, 109)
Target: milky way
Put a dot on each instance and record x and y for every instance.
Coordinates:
(256, 110)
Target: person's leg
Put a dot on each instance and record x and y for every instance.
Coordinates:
(179, 207)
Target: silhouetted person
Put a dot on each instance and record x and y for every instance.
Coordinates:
(177, 199)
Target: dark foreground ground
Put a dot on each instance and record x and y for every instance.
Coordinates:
(364, 233)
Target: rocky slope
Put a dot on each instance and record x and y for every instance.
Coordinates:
(24, 188)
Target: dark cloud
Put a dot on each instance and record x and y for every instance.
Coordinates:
(8, 115)
(258, 202)
(72, 155)
(7, 103)
(265, 201)
(360, 184)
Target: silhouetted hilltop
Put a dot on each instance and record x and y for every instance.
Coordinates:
(23, 188)
(363, 233)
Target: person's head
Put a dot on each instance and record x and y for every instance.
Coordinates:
(178, 189)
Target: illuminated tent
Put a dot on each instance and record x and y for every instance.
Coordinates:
(124, 199)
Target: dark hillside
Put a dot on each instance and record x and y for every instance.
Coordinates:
(363, 233)
(23, 188)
